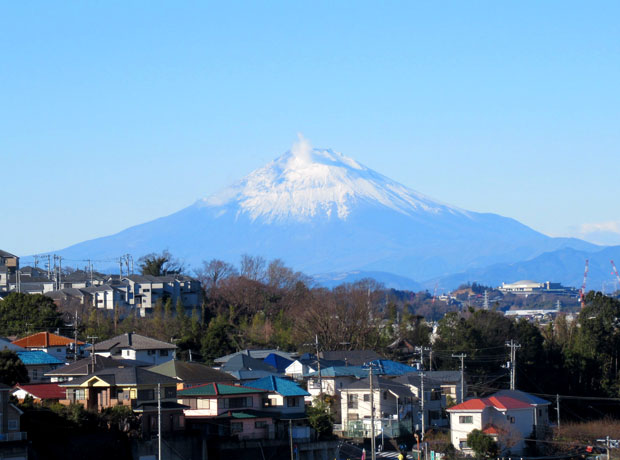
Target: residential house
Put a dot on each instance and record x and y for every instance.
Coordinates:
(433, 401)
(135, 346)
(38, 364)
(307, 364)
(220, 409)
(134, 387)
(143, 291)
(285, 396)
(190, 374)
(86, 366)
(541, 408)
(9, 265)
(389, 397)
(245, 368)
(13, 444)
(333, 379)
(40, 393)
(508, 420)
(56, 345)
(107, 297)
(279, 362)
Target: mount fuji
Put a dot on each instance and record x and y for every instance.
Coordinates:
(324, 213)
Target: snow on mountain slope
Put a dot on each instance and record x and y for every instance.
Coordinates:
(322, 212)
(308, 183)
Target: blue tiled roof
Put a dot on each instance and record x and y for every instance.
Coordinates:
(281, 386)
(387, 367)
(37, 357)
(277, 361)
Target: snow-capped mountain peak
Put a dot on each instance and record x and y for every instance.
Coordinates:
(306, 183)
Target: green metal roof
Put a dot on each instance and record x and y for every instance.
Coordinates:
(216, 389)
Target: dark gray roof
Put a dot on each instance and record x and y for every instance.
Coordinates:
(431, 378)
(100, 288)
(351, 357)
(83, 366)
(133, 341)
(247, 363)
(258, 354)
(6, 254)
(124, 376)
(66, 292)
(191, 372)
(252, 375)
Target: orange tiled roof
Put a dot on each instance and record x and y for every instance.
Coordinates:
(44, 339)
(490, 429)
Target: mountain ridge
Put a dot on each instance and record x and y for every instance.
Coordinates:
(322, 212)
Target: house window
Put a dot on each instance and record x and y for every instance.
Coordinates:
(352, 400)
(151, 352)
(510, 419)
(385, 393)
(203, 403)
(170, 392)
(292, 402)
(466, 419)
(237, 403)
(463, 444)
(267, 402)
(367, 398)
(260, 424)
(146, 395)
(12, 425)
(163, 352)
(80, 394)
(35, 374)
(540, 412)
(236, 427)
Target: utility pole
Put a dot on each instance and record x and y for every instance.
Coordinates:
(75, 332)
(422, 398)
(159, 421)
(462, 356)
(49, 267)
(290, 436)
(513, 362)
(120, 266)
(430, 359)
(557, 408)
(92, 351)
(59, 272)
(421, 350)
(372, 416)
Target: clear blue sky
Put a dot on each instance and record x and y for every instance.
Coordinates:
(115, 113)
